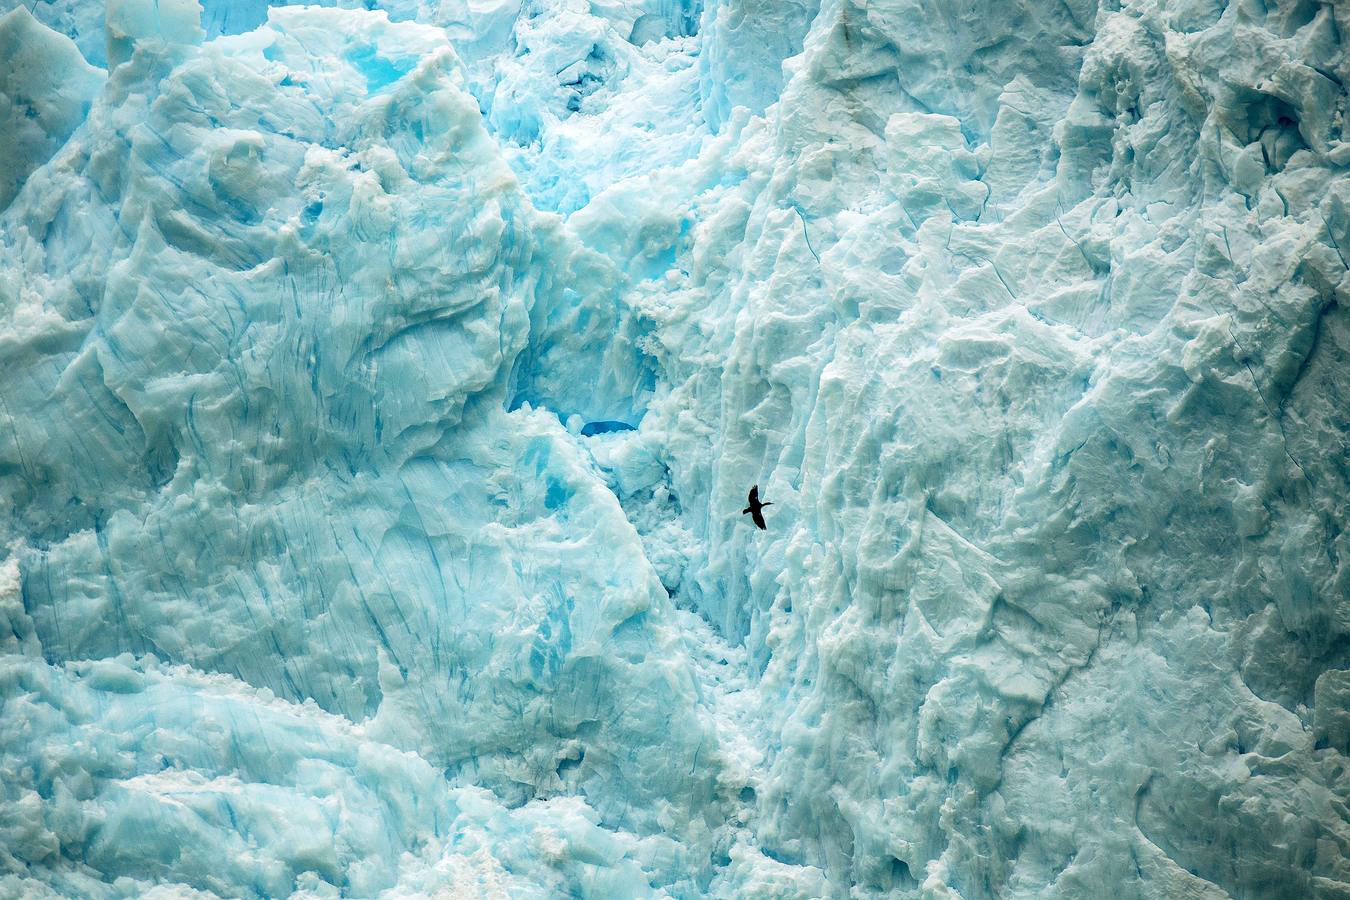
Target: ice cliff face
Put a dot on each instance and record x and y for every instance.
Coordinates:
(380, 389)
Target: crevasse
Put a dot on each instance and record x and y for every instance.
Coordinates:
(380, 388)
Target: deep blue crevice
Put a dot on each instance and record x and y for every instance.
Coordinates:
(607, 426)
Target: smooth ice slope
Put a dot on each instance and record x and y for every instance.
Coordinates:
(381, 390)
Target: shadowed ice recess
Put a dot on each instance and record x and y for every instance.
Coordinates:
(381, 383)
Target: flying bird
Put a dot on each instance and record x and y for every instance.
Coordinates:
(755, 509)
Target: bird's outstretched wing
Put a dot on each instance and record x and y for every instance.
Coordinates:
(754, 497)
(758, 516)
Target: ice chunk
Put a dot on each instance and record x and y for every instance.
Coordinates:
(130, 22)
(46, 89)
(745, 45)
(80, 20)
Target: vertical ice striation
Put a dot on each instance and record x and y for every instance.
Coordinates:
(381, 382)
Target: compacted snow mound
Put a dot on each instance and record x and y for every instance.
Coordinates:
(382, 387)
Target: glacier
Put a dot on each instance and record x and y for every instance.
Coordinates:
(381, 383)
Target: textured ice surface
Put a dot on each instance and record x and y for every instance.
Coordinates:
(380, 388)
(46, 89)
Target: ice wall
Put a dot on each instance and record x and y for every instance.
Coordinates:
(1034, 325)
(260, 320)
(382, 388)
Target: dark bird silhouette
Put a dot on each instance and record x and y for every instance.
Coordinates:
(755, 509)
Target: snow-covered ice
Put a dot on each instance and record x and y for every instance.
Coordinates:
(381, 383)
